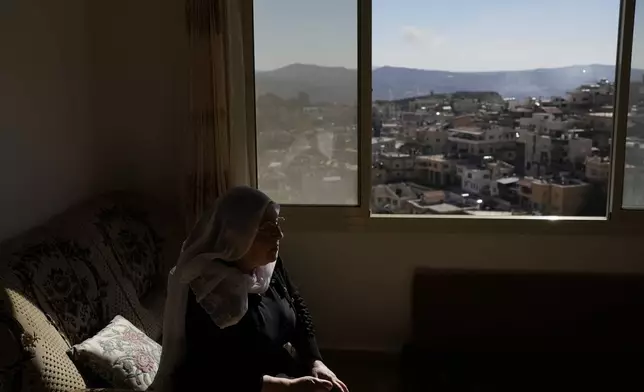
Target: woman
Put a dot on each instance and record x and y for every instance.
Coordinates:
(234, 321)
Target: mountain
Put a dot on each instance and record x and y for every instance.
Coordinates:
(544, 82)
(327, 84)
(337, 84)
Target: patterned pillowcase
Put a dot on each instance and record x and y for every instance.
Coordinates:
(121, 354)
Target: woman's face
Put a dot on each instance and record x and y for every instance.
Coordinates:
(265, 248)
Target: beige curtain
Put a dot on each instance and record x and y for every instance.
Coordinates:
(221, 136)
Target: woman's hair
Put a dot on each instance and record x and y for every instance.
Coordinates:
(224, 232)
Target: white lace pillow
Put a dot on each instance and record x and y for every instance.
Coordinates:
(121, 354)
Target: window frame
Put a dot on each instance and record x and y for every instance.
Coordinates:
(358, 218)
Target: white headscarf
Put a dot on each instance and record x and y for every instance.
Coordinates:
(222, 235)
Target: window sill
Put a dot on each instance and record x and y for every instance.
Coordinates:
(335, 220)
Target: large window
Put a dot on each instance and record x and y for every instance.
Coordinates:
(306, 96)
(634, 154)
(479, 109)
(484, 108)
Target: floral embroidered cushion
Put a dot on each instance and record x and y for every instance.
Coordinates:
(121, 354)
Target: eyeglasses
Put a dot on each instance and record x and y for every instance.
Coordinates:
(269, 227)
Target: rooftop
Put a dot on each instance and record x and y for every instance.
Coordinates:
(433, 197)
(508, 180)
(433, 158)
(521, 110)
(598, 160)
(445, 208)
(376, 140)
(473, 167)
(564, 182)
(394, 155)
(551, 110)
(469, 131)
(603, 114)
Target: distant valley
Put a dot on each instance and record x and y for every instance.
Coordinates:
(336, 84)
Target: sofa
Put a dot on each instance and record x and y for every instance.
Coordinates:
(480, 330)
(64, 281)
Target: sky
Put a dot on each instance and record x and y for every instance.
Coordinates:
(454, 35)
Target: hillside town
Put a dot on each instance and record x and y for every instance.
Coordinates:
(480, 154)
(307, 153)
(467, 153)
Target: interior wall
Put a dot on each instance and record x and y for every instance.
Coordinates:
(92, 98)
(46, 145)
(358, 285)
(139, 92)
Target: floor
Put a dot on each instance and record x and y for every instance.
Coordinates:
(364, 371)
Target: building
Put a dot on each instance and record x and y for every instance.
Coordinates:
(440, 203)
(477, 180)
(500, 169)
(569, 152)
(393, 166)
(544, 123)
(390, 129)
(466, 120)
(399, 198)
(391, 198)
(600, 121)
(518, 112)
(592, 95)
(598, 169)
(381, 145)
(482, 180)
(508, 192)
(436, 170)
(477, 141)
(537, 149)
(433, 140)
(544, 154)
(547, 197)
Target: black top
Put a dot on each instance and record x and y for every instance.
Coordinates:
(236, 358)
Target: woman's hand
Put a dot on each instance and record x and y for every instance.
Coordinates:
(309, 384)
(302, 384)
(320, 371)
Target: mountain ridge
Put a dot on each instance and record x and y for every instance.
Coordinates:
(338, 84)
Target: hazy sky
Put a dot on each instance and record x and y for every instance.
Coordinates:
(454, 35)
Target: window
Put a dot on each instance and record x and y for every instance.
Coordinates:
(402, 41)
(310, 142)
(633, 190)
(306, 89)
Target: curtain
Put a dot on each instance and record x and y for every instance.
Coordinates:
(220, 150)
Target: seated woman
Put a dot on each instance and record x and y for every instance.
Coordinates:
(234, 321)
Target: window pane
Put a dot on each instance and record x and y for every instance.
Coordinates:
(487, 108)
(634, 156)
(306, 90)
